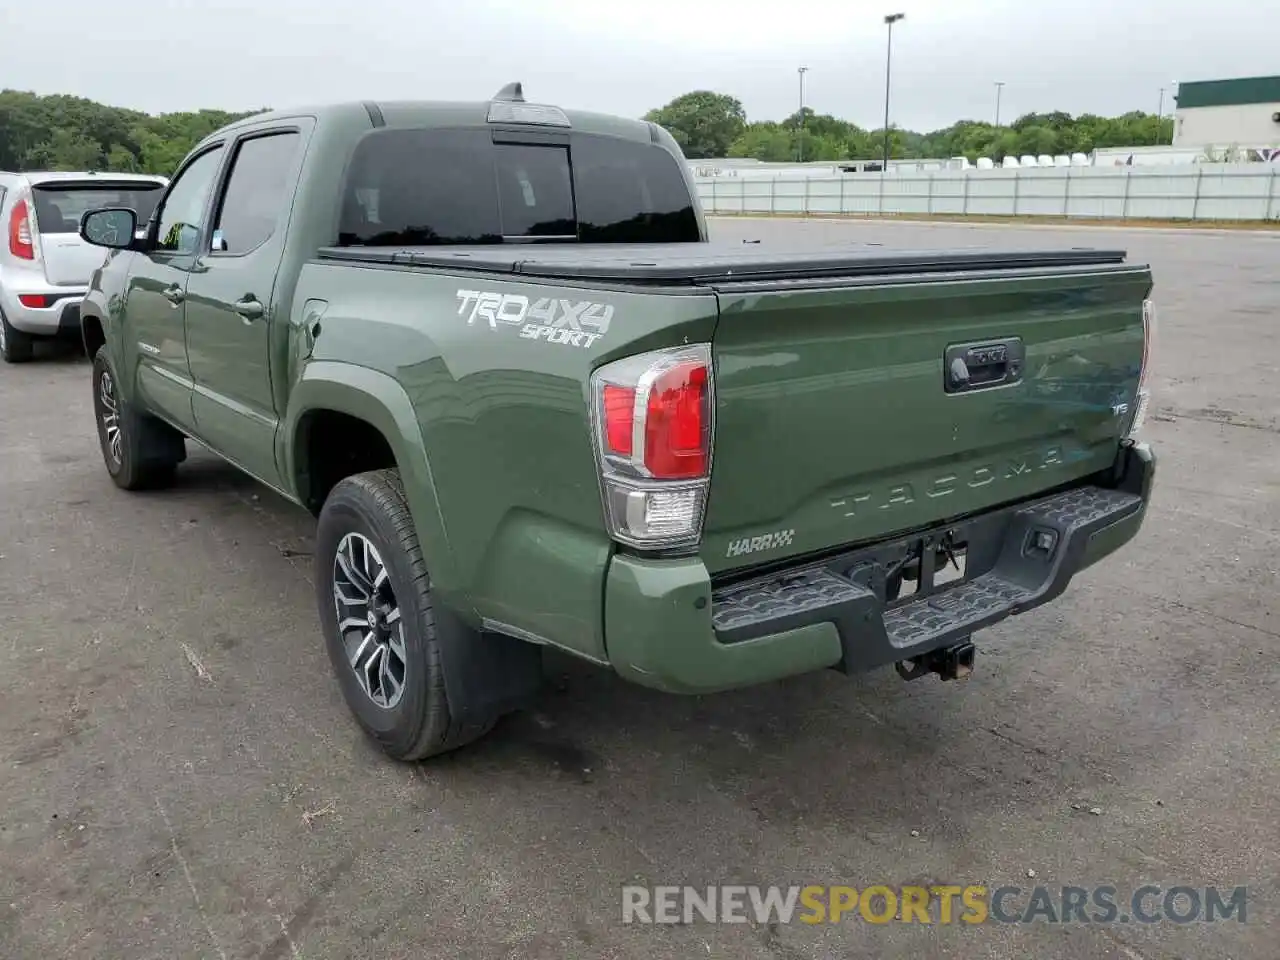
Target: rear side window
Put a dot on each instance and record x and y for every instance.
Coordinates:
(257, 192)
(59, 207)
(424, 187)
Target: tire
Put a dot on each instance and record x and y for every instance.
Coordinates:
(15, 346)
(415, 722)
(142, 452)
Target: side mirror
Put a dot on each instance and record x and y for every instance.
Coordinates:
(113, 227)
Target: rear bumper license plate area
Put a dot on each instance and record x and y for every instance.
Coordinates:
(904, 597)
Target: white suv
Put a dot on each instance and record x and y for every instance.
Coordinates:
(44, 265)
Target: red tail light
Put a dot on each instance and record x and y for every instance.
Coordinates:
(676, 437)
(37, 300)
(653, 424)
(619, 419)
(20, 241)
(1142, 397)
(1148, 331)
(677, 441)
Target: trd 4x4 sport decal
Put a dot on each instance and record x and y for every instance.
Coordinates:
(572, 323)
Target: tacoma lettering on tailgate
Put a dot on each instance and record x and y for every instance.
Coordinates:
(904, 493)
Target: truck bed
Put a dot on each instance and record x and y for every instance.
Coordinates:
(838, 418)
(707, 264)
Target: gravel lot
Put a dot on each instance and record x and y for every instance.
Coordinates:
(180, 779)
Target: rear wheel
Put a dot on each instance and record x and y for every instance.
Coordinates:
(139, 451)
(15, 346)
(380, 623)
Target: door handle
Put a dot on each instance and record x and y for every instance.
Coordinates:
(248, 307)
(979, 366)
(174, 295)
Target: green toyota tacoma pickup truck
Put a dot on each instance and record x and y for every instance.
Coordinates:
(492, 348)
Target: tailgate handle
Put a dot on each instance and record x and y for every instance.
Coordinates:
(979, 366)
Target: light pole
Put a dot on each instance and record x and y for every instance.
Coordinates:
(890, 20)
(800, 125)
(999, 89)
(1160, 113)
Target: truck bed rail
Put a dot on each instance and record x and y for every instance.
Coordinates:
(704, 264)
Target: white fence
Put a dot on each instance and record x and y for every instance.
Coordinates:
(1244, 191)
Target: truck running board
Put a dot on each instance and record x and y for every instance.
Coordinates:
(1015, 559)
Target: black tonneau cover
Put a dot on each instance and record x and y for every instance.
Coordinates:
(681, 263)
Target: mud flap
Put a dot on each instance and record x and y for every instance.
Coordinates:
(485, 674)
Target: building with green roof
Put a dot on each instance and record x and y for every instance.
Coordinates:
(1244, 112)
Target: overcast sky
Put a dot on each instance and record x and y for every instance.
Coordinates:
(626, 56)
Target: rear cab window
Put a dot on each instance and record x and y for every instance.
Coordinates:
(409, 187)
(60, 204)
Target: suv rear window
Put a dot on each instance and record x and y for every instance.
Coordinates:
(59, 208)
(425, 187)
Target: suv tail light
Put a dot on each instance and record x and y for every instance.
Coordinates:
(21, 242)
(1142, 399)
(652, 423)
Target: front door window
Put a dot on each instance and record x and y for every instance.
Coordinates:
(183, 213)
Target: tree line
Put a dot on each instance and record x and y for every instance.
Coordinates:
(714, 125)
(60, 132)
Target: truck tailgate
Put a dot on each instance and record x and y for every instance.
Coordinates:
(841, 414)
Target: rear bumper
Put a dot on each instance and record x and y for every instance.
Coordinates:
(668, 627)
(60, 317)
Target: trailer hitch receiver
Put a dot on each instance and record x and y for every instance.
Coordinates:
(950, 663)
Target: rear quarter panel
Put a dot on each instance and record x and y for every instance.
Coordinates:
(502, 423)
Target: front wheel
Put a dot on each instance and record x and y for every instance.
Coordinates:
(376, 610)
(139, 451)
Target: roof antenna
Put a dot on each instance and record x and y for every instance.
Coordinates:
(512, 91)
